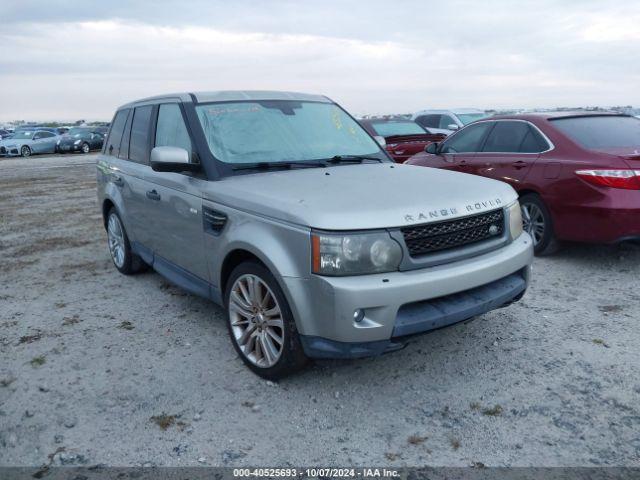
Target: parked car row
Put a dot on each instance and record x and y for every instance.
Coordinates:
(26, 141)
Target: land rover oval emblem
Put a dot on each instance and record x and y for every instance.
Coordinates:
(493, 230)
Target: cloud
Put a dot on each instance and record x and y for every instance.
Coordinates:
(78, 63)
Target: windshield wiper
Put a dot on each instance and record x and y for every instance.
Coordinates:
(277, 165)
(352, 159)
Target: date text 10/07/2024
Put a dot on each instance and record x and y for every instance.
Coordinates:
(316, 472)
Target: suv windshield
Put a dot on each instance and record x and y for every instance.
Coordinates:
(607, 131)
(388, 129)
(281, 131)
(467, 118)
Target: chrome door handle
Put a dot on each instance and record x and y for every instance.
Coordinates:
(519, 164)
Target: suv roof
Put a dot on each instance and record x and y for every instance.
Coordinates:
(232, 96)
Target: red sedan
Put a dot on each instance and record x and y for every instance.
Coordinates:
(578, 174)
(404, 138)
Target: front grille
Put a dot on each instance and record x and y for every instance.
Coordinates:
(434, 237)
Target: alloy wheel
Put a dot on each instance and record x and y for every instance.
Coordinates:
(256, 321)
(85, 148)
(115, 236)
(25, 151)
(533, 221)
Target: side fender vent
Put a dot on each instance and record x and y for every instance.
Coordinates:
(213, 220)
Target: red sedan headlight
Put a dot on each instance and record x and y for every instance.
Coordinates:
(627, 179)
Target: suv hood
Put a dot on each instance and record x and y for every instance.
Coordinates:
(363, 196)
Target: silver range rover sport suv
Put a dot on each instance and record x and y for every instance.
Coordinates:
(279, 207)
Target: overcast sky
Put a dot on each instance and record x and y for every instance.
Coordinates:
(72, 59)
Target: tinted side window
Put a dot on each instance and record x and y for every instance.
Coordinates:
(468, 139)
(115, 133)
(171, 130)
(533, 142)
(140, 134)
(506, 137)
(445, 121)
(429, 121)
(47, 135)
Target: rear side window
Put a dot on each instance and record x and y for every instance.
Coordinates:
(506, 137)
(467, 140)
(115, 133)
(171, 130)
(534, 142)
(429, 121)
(445, 121)
(138, 144)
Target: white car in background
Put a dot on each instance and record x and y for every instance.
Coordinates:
(447, 121)
(27, 142)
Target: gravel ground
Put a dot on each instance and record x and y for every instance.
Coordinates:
(96, 367)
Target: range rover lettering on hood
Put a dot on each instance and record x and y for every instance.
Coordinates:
(443, 213)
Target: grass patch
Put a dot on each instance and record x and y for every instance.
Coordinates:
(416, 440)
(164, 421)
(493, 411)
(71, 320)
(599, 341)
(610, 308)
(38, 361)
(30, 338)
(455, 443)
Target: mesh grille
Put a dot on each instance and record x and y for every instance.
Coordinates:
(433, 237)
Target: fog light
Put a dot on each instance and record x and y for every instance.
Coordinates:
(358, 315)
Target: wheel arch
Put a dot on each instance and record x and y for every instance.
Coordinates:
(107, 205)
(232, 260)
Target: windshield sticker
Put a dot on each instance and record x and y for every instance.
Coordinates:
(335, 117)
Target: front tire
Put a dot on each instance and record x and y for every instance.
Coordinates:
(85, 148)
(537, 222)
(123, 258)
(25, 151)
(260, 323)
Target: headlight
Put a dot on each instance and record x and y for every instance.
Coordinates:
(354, 254)
(77, 142)
(515, 220)
(58, 142)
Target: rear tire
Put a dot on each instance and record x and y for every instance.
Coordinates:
(123, 258)
(537, 222)
(260, 323)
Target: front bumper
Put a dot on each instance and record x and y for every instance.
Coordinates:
(404, 303)
(68, 147)
(8, 151)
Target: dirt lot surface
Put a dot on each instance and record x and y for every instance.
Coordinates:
(99, 368)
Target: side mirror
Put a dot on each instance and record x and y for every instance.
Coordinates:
(452, 126)
(432, 148)
(381, 141)
(172, 159)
